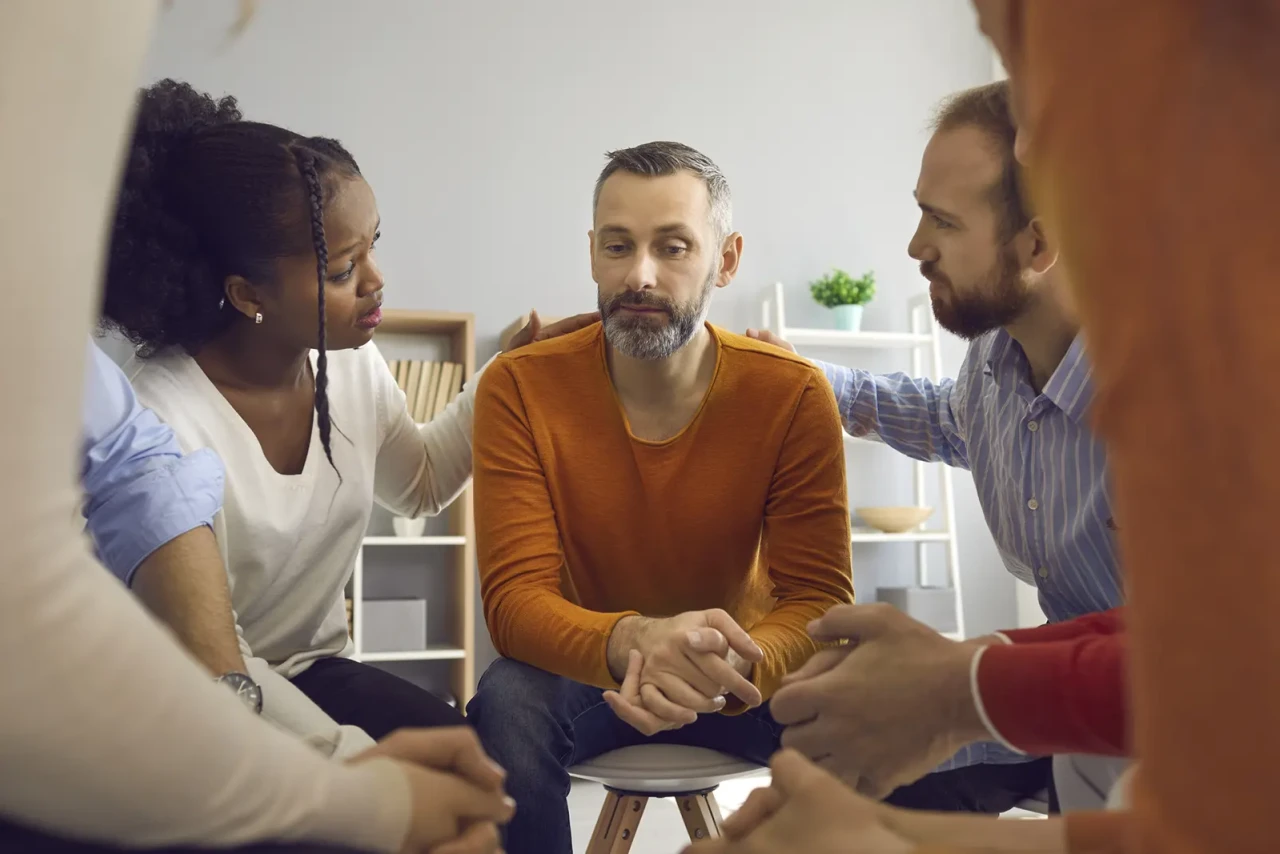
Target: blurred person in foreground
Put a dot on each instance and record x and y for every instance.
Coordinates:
(111, 736)
(1150, 132)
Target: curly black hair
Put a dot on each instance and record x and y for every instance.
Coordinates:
(206, 195)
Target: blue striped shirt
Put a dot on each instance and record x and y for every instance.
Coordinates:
(1041, 474)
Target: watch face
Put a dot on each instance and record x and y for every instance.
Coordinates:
(246, 689)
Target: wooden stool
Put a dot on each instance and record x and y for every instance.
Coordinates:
(633, 775)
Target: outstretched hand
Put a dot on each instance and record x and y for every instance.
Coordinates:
(534, 330)
(767, 337)
(884, 708)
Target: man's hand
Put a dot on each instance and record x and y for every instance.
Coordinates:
(885, 709)
(768, 337)
(456, 790)
(806, 809)
(689, 662)
(628, 706)
(535, 331)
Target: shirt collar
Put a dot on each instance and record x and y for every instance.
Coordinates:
(1070, 387)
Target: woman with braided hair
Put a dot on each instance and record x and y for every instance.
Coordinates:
(242, 266)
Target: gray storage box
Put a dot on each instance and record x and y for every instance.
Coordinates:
(394, 625)
(933, 606)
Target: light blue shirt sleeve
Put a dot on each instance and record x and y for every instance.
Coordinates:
(911, 415)
(141, 491)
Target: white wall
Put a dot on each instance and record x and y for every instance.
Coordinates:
(481, 126)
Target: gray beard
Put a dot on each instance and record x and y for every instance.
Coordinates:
(636, 338)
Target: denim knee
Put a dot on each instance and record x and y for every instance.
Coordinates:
(516, 704)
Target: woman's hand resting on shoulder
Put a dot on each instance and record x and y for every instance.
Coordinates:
(535, 331)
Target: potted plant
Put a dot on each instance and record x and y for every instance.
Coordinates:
(845, 296)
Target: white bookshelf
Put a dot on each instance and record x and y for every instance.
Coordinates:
(416, 541)
(922, 344)
(431, 653)
(457, 543)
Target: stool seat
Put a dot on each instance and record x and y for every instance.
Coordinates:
(658, 769)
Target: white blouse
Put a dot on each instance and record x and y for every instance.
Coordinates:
(290, 541)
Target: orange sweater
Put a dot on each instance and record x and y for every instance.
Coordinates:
(580, 524)
(1154, 132)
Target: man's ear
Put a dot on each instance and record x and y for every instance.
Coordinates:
(242, 295)
(730, 258)
(1044, 249)
(591, 253)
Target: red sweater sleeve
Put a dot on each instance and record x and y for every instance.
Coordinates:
(1102, 623)
(1063, 696)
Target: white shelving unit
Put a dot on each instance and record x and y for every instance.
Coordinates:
(923, 345)
(415, 541)
(434, 652)
(419, 329)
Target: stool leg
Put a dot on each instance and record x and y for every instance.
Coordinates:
(701, 815)
(616, 827)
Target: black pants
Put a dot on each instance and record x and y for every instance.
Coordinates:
(20, 840)
(378, 702)
(989, 789)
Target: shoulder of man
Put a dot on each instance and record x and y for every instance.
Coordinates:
(765, 360)
(580, 344)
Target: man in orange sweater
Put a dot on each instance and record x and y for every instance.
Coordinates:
(661, 507)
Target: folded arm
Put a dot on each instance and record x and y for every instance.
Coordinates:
(806, 530)
(520, 553)
(1062, 696)
(1089, 625)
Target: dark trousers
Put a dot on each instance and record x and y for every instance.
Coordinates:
(378, 702)
(537, 725)
(21, 840)
(989, 789)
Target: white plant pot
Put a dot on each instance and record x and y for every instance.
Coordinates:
(409, 527)
(848, 317)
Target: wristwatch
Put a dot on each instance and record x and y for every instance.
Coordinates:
(249, 692)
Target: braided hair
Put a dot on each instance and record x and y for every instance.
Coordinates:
(206, 195)
(315, 195)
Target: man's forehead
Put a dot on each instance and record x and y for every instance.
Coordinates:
(957, 161)
(629, 199)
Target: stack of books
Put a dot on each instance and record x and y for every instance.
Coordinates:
(428, 386)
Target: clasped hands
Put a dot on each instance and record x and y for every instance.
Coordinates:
(886, 705)
(457, 798)
(672, 670)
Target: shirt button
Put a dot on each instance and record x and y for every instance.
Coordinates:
(1033, 505)
(1033, 426)
(1044, 572)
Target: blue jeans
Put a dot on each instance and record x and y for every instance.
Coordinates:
(537, 725)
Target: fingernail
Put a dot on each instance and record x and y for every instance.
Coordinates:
(497, 769)
(720, 701)
(695, 639)
(509, 802)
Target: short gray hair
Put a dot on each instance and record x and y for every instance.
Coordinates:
(654, 159)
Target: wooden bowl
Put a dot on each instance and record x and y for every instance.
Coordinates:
(894, 520)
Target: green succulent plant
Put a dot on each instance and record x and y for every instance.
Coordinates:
(839, 288)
